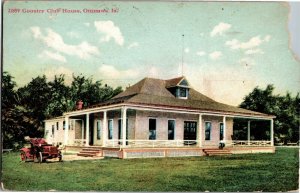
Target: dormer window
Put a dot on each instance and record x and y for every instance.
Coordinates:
(182, 92)
(179, 88)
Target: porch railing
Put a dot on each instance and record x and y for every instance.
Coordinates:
(248, 143)
(79, 142)
(173, 143)
(153, 143)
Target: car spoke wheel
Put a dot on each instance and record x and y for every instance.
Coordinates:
(23, 156)
(40, 157)
(60, 156)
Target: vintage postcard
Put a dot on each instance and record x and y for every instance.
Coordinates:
(155, 96)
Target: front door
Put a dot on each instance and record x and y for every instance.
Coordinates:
(190, 132)
(221, 131)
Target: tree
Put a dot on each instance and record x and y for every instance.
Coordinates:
(8, 96)
(11, 114)
(91, 92)
(285, 108)
(287, 120)
(261, 100)
(25, 109)
(59, 97)
(35, 97)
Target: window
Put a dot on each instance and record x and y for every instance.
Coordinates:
(56, 125)
(110, 129)
(98, 130)
(171, 129)
(120, 134)
(71, 124)
(207, 130)
(182, 92)
(64, 126)
(221, 131)
(46, 134)
(152, 129)
(52, 130)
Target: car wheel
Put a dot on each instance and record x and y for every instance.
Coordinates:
(60, 156)
(23, 156)
(40, 157)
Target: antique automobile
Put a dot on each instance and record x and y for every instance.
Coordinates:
(38, 151)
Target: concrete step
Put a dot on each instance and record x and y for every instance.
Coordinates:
(85, 154)
(90, 152)
(211, 152)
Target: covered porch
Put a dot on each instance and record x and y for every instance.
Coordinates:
(106, 126)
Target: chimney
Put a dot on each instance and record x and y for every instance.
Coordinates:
(79, 105)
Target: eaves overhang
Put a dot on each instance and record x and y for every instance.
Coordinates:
(166, 108)
(200, 111)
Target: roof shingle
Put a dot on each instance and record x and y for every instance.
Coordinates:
(151, 91)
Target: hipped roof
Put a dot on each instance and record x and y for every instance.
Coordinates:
(154, 92)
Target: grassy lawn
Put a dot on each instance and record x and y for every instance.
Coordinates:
(251, 172)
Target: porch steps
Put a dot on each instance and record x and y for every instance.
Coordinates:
(90, 152)
(216, 152)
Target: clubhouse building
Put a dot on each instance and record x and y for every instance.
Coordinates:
(157, 118)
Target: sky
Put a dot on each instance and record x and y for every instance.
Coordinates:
(224, 49)
(294, 27)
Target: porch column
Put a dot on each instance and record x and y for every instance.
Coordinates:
(224, 129)
(104, 127)
(124, 120)
(200, 130)
(82, 131)
(248, 133)
(66, 130)
(272, 132)
(87, 134)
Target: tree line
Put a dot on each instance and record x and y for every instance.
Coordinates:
(25, 108)
(286, 109)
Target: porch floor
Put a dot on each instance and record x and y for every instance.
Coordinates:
(123, 153)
